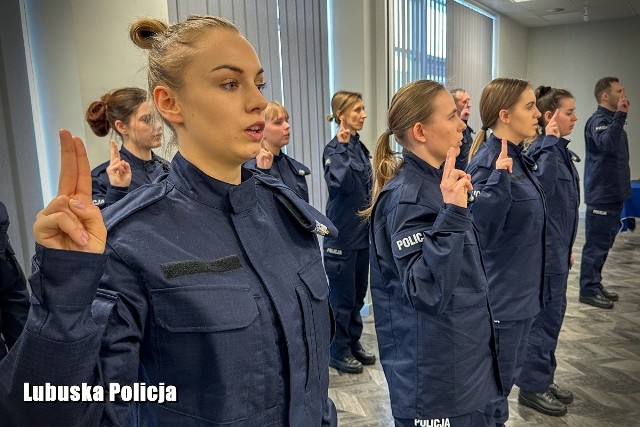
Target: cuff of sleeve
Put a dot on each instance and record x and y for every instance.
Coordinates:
(115, 193)
(499, 177)
(452, 218)
(67, 277)
(341, 148)
(620, 115)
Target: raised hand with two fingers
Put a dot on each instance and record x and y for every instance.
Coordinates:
(119, 171)
(264, 159)
(552, 127)
(455, 183)
(504, 161)
(71, 221)
(343, 134)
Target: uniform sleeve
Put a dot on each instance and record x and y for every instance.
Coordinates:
(14, 299)
(492, 192)
(72, 337)
(427, 248)
(546, 158)
(607, 136)
(105, 194)
(337, 169)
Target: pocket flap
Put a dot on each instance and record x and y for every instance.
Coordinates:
(204, 308)
(313, 275)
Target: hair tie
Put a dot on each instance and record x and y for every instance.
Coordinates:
(389, 132)
(484, 128)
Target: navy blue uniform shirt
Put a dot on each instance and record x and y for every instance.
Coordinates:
(347, 171)
(288, 170)
(606, 170)
(429, 291)
(14, 296)
(563, 199)
(218, 290)
(142, 172)
(509, 213)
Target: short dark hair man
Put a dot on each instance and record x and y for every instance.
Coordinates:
(606, 186)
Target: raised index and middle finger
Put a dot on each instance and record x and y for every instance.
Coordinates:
(75, 173)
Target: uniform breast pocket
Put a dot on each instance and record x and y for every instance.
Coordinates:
(525, 214)
(314, 304)
(206, 337)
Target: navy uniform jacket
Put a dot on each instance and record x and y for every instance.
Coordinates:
(429, 290)
(606, 170)
(467, 141)
(347, 171)
(14, 297)
(142, 172)
(511, 231)
(288, 170)
(563, 199)
(231, 307)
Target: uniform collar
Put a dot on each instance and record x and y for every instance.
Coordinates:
(512, 149)
(135, 162)
(605, 111)
(209, 191)
(421, 167)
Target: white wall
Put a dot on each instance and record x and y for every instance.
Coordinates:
(107, 59)
(575, 56)
(512, 39)
(359, 59)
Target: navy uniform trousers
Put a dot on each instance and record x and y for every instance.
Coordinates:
(602, 223)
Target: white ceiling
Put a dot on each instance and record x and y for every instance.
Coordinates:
(538, 13)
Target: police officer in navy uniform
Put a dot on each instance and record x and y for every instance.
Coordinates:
(272, 159)
(511, 233)
(463, 106)
(428, 284)
(607, 185)
(14, 296)
(129, 113)
(536, 381)
(347, 171)
(185, 293)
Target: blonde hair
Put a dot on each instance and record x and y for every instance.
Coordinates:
(413, 103)
(341, 102)
(274, 110)
(499, 94)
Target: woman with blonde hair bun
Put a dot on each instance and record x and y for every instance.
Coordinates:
(175, 295)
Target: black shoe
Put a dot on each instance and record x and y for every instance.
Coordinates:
(349, 365)
(564, 396)
(543, 402)
(597, 301)
(365, 357)
(610, 295)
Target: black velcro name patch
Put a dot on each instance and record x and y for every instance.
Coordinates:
(174, 269)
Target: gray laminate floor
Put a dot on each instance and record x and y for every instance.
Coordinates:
(598, 357)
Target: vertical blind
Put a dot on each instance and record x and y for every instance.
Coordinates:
(470, 59)
(291, 40)
(448, 41)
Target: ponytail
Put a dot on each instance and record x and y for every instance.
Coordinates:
(481, 137)
(385, 165)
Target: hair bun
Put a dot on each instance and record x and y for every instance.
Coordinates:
(542, 91)
(96, 116)
(143, 31)
(329, 118)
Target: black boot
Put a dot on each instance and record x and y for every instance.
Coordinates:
(544, 402)
(349, 365)
(597, 301)
(365, 357)
(610, 295)
(564, 396)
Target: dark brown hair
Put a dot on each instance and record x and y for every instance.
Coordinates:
(604, 85)
(548, 99)
(116, 105)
